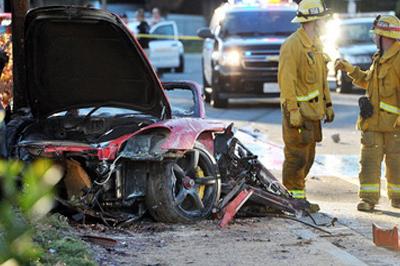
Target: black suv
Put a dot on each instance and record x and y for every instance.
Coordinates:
(241, 51)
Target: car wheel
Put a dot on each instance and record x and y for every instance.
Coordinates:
(181, 67)
(207, 96)
(344, 84)
(216, 100)
(184, 190)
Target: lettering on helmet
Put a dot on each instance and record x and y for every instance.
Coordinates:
(383, 24)
(314, 11)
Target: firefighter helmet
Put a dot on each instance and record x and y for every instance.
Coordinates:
(310, 10)
(387, 26)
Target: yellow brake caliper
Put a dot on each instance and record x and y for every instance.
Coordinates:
(201, 189)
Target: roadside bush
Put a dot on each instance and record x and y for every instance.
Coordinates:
(26, 197)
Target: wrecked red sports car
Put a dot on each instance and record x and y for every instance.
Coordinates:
(94, 105)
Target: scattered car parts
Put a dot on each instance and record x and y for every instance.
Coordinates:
(246, 179)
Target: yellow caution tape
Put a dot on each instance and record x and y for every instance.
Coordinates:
(159, 36)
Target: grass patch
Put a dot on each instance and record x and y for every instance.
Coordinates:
(60, 245)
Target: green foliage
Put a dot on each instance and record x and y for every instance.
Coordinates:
(63, 248)
(23, 200)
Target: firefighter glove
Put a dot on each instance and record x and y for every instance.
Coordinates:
(296, 120)
(330, 115)
(397, 123)
(344, 65)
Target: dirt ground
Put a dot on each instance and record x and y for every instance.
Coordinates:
(264, 241)
(259, 241)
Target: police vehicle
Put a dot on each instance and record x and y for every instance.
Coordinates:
(241, 50)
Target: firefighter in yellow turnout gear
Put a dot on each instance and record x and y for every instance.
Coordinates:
(381, 129)
(305, 96)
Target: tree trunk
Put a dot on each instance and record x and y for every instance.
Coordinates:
(19, 9)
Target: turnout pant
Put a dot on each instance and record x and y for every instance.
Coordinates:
(375, 147)
(299, 152)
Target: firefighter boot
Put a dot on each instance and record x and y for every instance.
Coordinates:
(313, 208)
(365, 206)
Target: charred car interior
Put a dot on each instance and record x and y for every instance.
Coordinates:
(94, 105)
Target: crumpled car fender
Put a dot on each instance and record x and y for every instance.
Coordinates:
(183, 132)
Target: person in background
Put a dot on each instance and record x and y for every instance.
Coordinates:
(143, 28)
(156, 16)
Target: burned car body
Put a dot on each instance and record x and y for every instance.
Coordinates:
(94, 105)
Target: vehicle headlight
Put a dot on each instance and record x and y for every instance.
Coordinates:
(144, 145)
(358, 59)
(231, 58)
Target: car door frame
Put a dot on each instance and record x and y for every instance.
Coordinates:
(195, 88)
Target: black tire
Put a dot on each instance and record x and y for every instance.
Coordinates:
(344, 83)
(169, 200)
(216, 100)
(207, 96)
(181, 67)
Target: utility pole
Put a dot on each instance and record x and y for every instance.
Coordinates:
(18, 9)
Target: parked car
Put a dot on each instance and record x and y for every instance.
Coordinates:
(166, 53)
(93, 105)
(241, 50)
(352, 41)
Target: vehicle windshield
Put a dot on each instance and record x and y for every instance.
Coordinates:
(258, 23)
(355, 34)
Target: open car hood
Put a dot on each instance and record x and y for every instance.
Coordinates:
(80, 57)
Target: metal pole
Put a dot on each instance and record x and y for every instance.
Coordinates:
(104, 4)
(18, 9)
